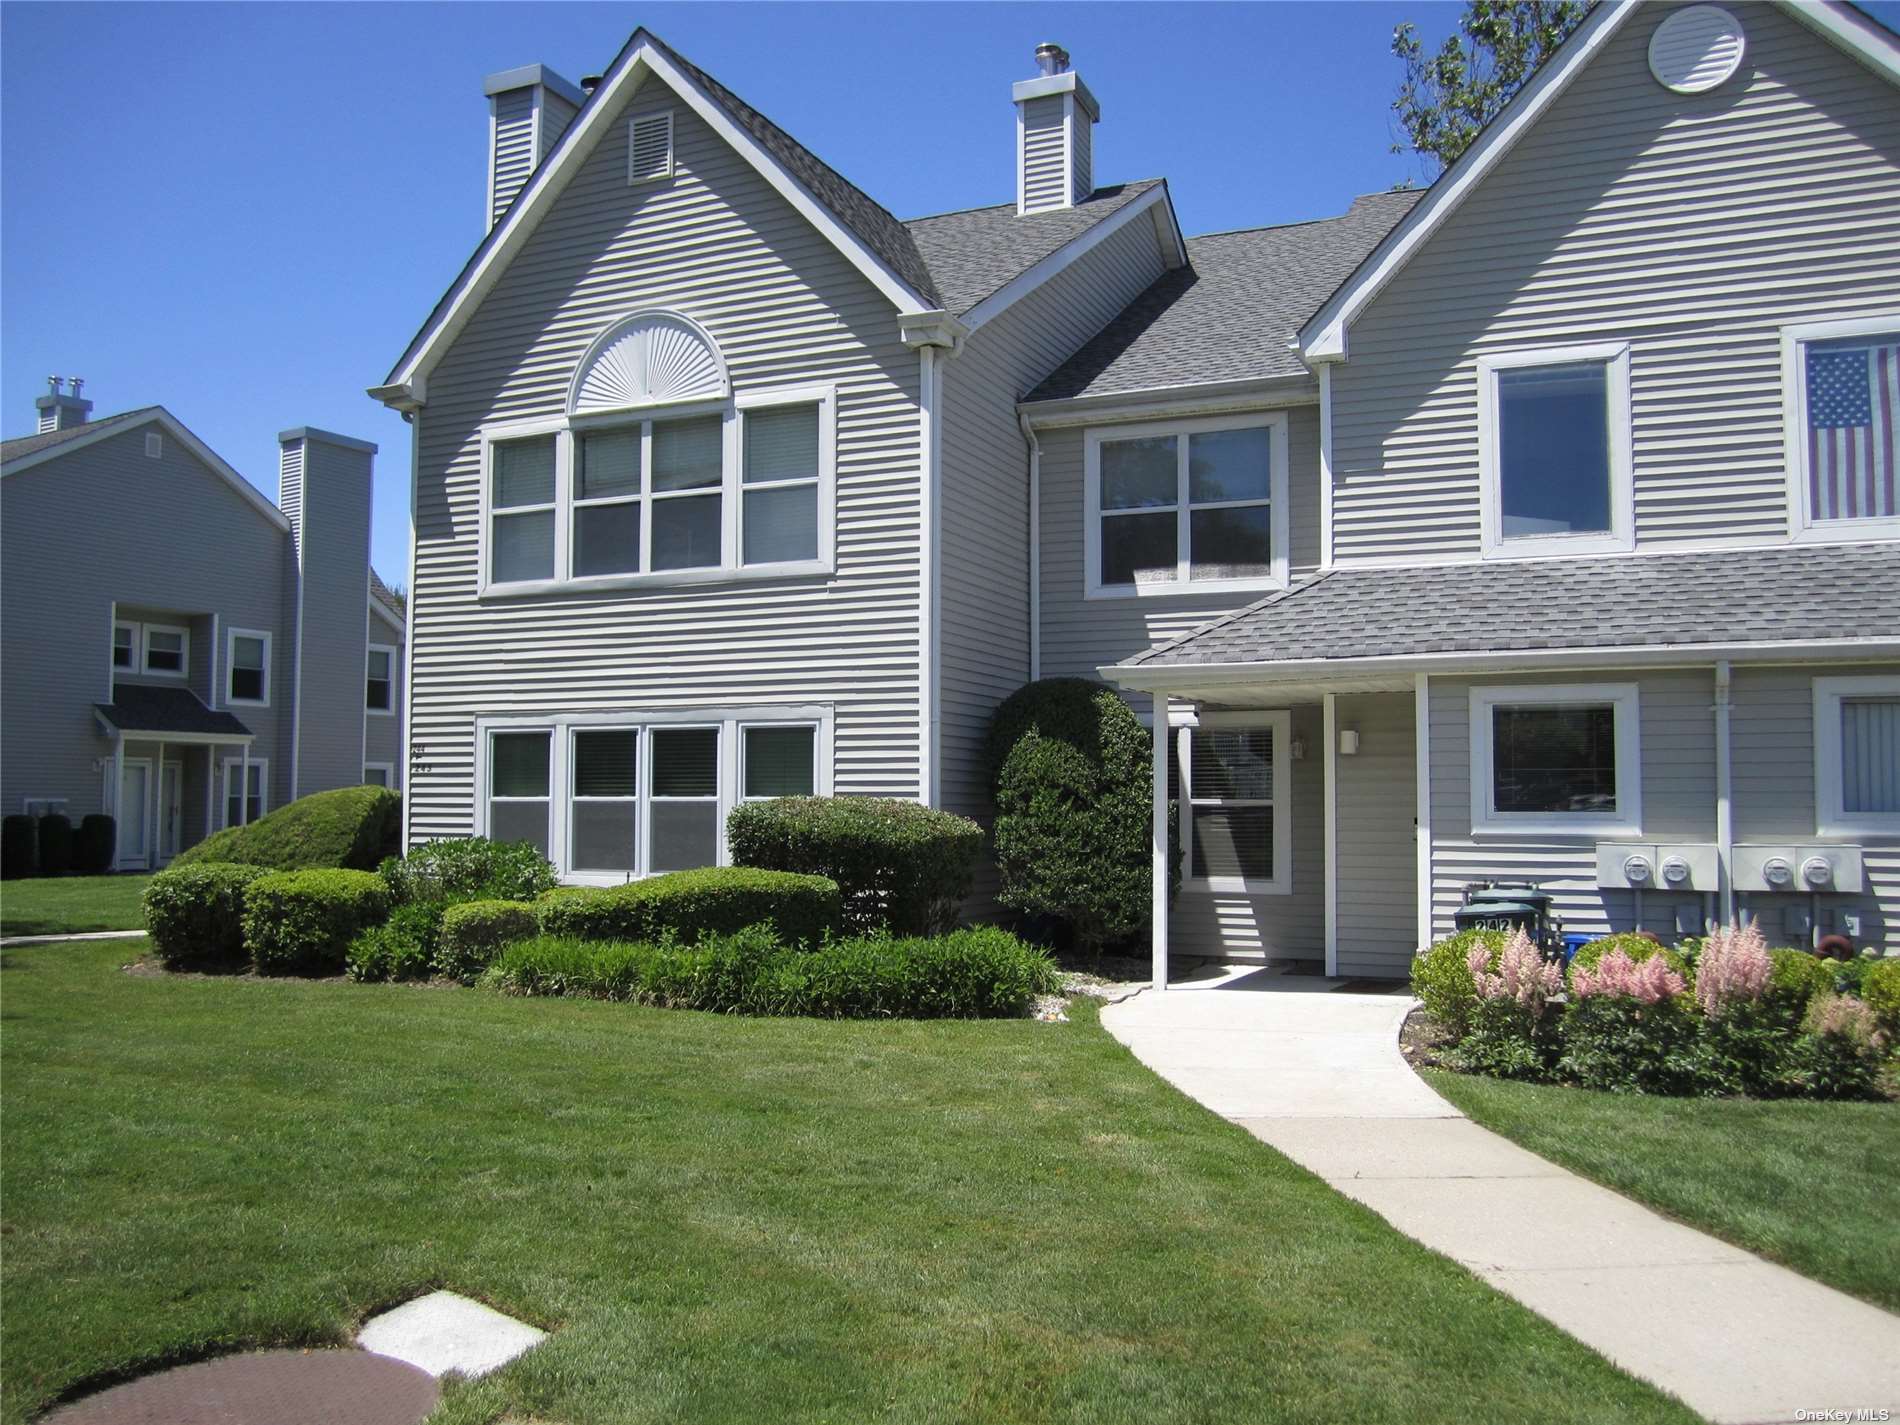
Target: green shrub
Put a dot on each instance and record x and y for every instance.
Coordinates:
(1071, 773)
(1851, 973)
(303, 921)
(1620, 1044)
(350, 827)
(1638, 947)
(898, 864)
(1441, 977)
(1746, 1051)
(717, 900)
(56, 845)
(1839, 1052)
(473, 931)
(195, 914)
(402, 948)
(94, 844)
(19, 847)
(1796, 978)
(1880, 992)
(468, 868)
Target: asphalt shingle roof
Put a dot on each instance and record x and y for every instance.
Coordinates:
(386, 596)
(973, 253)
(1233, 311)
(29, 444)
(1787, 592)
(136, 708)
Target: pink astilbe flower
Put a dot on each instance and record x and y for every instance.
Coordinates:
(1734, 968)
(1646, 981)
(1844, 1017)
(1523, 975)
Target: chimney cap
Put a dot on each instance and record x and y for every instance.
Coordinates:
(530, 76)
(589, 83)
(1051, 58)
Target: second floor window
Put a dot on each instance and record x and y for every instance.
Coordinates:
(1844, 427)
(380, 692)
(166, 650)
(125, 640)
(248, 674)
(1554, 448)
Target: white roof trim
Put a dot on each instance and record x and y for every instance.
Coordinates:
(109, 427)
(641, 58)
(1861, 36)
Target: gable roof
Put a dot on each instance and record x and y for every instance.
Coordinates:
(29, 451)
(136, 708)
(383, 599)
(1323, 337)
(1231, 313)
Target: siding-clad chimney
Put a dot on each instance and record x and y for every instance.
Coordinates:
(528, 111)
(59, 409)
(1055, 122)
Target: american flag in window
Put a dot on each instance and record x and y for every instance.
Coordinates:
(1853, 404)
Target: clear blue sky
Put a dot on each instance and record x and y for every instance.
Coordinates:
(243, 212)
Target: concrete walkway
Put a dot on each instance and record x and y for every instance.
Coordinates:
(1317, 1074)
(62, 939)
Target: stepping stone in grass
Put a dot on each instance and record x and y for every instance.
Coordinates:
(444, 1332)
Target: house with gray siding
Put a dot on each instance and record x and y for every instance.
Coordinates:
(176, 650)
(1479, 532)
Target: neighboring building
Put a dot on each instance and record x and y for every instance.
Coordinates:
(730, 484)
(176, 650)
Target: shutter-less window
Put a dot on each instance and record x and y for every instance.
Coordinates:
(780, 511)
(650, 148)
(1870, 755)
(684, 832)
(778, 762)
(1231, 791)
(606, 790)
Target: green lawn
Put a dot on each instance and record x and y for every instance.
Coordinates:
(66, 905)
(723, 1218)
(1815, 1186)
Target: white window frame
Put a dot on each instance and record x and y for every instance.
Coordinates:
(48, 806)
(145, 650)
(1830, 819)
(232, 766)
(730, 569)
(562, 726)
(1280, 725)
(817, 737)
(137, 649)
(231, 636)
(390, 649)
(1802, 525)
(1615, 357)
(635, 180)
(1626, 702)
(1279, 522)
(388, 769)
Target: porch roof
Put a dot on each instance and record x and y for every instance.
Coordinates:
(139, 711)
(1806, 594)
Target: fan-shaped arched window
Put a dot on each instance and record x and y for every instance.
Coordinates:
(648, 359)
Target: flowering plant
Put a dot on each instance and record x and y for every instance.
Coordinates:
(1523, 975)
(1645, 981)
(1733, 970)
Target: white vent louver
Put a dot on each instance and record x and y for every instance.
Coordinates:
(154, 445)
(650, 148)
(647, 360)
(1696, 49)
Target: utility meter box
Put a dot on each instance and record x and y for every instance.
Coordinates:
(1694, 866)
(1796, 869)
(1630, 865)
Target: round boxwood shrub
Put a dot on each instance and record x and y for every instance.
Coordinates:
(1880, 992)
(350, 827)
(195, 914)
(717, 900)
(94, 844)
(474, 932)
(1441, 977)
(898, 864)
(1638, 947)
(402, 948)
(468, 868)
(56, 845)
(19, 847)
(302, 922)
(1072, 772)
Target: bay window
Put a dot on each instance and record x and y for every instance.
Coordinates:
(1556, 759)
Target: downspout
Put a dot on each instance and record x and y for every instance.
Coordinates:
(1724, 796)
(1035, 546)
(927, 632)
(401, 770)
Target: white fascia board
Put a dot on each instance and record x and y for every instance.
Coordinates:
(1859, 35)
(1064, 257)
(1323, 338)
(176, 429)
(1067, 82)
(1247, 393)
(499, 248)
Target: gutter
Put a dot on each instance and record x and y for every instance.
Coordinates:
(1246, 393)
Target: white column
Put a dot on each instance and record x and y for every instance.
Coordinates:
(158, 803)
(1160, 842)
(211, 787)
(1422, 731)
(244, 786)
(1724, 796)
(1329, 722)
(118, 795)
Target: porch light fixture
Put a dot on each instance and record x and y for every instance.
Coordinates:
(1349, 742)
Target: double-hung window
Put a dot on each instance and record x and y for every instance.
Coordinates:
(247, 672)
(783, 453)
(125, 642)
(687, 493)
(1554, 451)
(1561, 759)
(521, 500)
(244, 791)
(520, 787)
(379, 684)
(1857, 756)
(604, 832)
(167, 650)
(1842, 381)
(1238, 813)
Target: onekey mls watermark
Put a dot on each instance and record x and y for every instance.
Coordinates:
(1865, 1412)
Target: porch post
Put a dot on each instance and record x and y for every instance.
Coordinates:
(158, 803)
(1422, 730)
(244, 786)
(118, 796)
(1159, 842)
(1329, 730)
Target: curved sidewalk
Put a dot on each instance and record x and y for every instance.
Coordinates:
(1317, 1074)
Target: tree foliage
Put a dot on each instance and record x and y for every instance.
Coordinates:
(1449, 95)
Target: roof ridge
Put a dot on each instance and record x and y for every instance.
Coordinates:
(70, 432)
(997, 207)
(1277, 596)
(1311, 222)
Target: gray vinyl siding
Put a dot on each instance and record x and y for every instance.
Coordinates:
(1692, 227)
(984, 506)
(556, 115)
(513, 158)
(1080, 634)
(1083, 160)
(1375, 810)
(335, 616)
(786, 308)
(382, 735)
(1045, 154)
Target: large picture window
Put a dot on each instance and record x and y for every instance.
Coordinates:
(1238, 803)
(1842, 381)
(1186, 507)
(1557, 759)
(1857, 756)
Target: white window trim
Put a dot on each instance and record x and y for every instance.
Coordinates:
(731, 490)
(1626, 820)
(1281, 726)
(390, 649)
(635, 181)
(1273, 421)
(1615, 355)
(145, 653)
(388, 769)
(49, 806)
(1802, 525)
(231, 636)
(562, 726)
(817, 740)
(1829, 817)
(137, 649)
(232, 766)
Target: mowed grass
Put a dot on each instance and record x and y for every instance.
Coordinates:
(1814, 1186)
(722, 1219)
(67, 905)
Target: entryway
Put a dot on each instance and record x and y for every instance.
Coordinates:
(134, 813)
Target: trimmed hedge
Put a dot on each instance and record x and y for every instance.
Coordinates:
(977, 973)
(1880, 992)
(899, 865)
(402, 948)
(56, 845)
(474, 932)
(717, 900)
(19, 848)
(351, 827)
(302, 922)
(195, 914)
(468, 868)
(94, 844)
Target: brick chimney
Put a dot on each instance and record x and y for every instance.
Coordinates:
(1055, 124)
(59, 409)
(528, 111)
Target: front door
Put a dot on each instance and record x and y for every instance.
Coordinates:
(135, 814)
(171, 809)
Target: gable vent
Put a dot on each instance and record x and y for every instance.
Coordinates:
(1696, 49)
(650, 148)
(154, 445)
